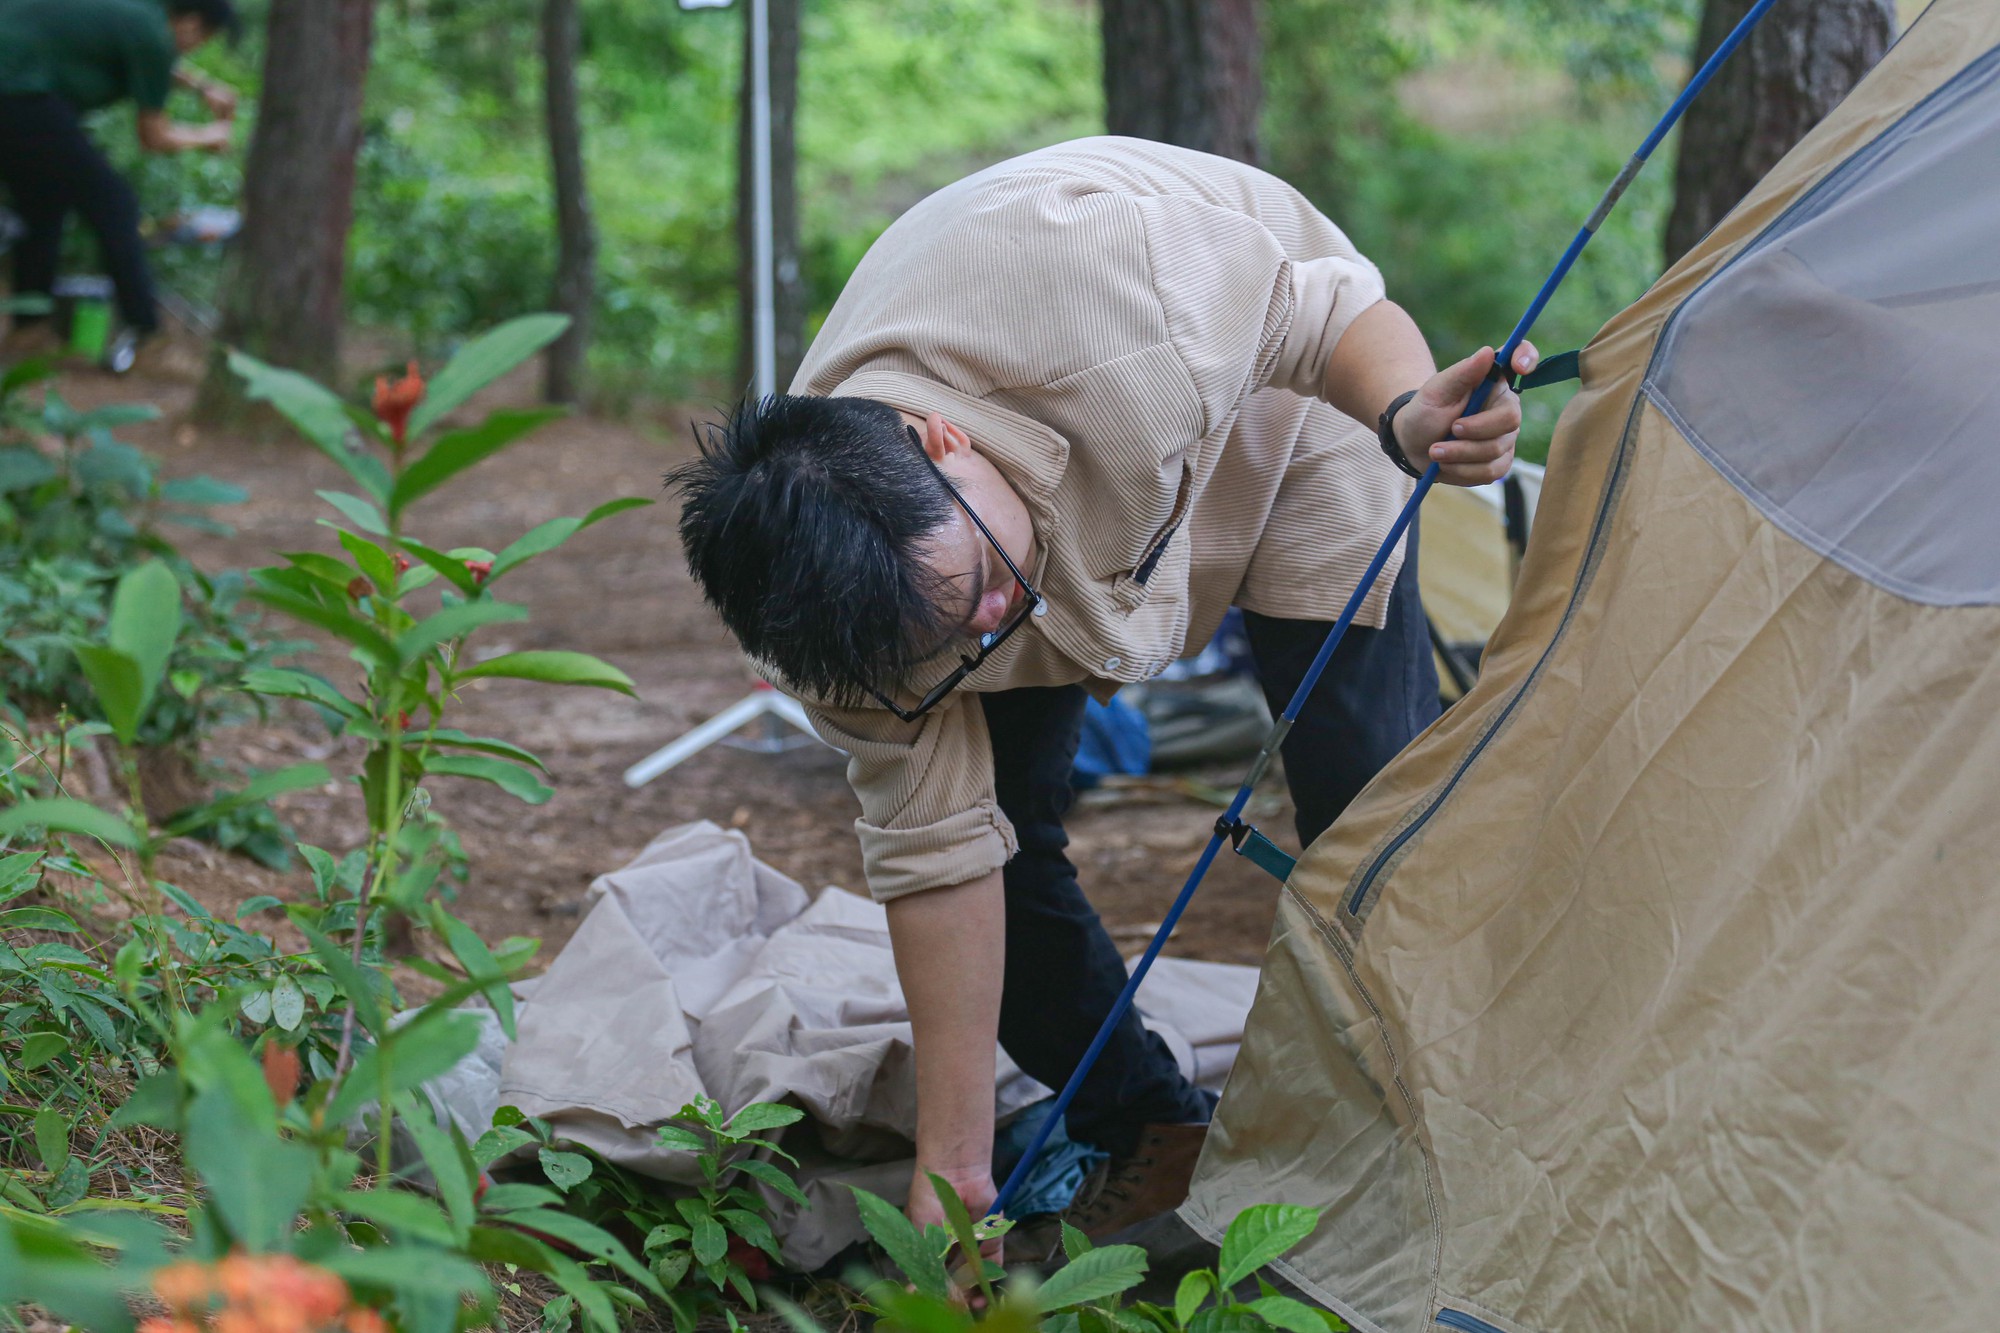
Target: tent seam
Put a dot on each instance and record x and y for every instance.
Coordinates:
(1365, 888)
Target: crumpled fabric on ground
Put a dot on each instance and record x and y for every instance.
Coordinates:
(698, 970)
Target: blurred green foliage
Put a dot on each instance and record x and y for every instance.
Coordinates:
(1460, 142)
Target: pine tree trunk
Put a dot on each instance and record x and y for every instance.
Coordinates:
(1802, 59)
(576, 233)
(283, 300)
(790, 289)
(1185, 72)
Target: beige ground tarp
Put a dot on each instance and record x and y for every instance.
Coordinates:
(1655, 987)
(701, 971)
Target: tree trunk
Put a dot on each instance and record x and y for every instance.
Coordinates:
(790, 287)
(1184, 72)
(1802, 59)
(576, 233)
(283, 298)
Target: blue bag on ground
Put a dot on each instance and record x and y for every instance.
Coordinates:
(1115, 740)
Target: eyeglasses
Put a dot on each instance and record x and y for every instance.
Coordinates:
(988, 643)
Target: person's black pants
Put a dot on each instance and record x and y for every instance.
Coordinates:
(53, 169)
(1063, 972)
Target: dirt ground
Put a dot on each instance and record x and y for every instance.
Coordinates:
(621, 591)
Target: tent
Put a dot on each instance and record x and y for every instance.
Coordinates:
(1655, 986)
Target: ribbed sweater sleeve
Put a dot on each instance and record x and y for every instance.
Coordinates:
(928, 814)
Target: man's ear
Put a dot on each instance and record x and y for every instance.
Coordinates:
(943, 440)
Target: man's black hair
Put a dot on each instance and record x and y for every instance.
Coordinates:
(804, 521)
(218, 16)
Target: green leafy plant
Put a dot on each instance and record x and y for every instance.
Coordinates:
(413, 662)
(266, 1166)
(278, 1178)
(723, 1206)
(125, 671)
(1085, 1295)
(67, 1042)
(713, 1233)
(1205, 1301)
(158, 658)
(275, 1173)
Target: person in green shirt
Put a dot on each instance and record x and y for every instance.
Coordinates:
(62, 59)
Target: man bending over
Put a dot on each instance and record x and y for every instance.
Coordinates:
(1066, 413)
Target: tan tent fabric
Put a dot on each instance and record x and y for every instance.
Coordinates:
(1654, 987)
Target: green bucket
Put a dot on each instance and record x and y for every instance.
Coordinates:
(83, 307)
(90, 328)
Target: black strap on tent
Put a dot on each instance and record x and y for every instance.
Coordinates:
(1257, 849)
(1553, 370)
(1514, 505)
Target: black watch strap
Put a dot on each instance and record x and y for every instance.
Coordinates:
(1385, 430)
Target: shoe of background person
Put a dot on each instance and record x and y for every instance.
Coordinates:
(122, 352)
(1152, 1180)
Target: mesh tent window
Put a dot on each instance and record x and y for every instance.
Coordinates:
(1840, 370)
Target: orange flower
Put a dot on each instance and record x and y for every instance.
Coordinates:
(281, 1072)
(238, 1277)
(183, 1286)
(261, 1294)
(394, 403)
(292, 1291)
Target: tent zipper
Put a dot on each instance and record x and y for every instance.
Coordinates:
(1465, 1323)
(1599, 529)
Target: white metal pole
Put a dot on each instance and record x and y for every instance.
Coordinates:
(765, 378)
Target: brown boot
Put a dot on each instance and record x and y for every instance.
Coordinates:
(1153, 1180)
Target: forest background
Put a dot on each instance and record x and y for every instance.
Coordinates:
(1458, 142)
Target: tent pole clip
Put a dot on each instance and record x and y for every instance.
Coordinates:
(1254, 847)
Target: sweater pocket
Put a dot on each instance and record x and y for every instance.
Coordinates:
(1132, 424)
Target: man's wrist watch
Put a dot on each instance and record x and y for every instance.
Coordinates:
(1385, 430)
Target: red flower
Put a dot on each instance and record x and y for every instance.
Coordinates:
(755, 1264)
(402, 563)
(479, 569)
(403, 718)
(358, 588)
(394, 403)
(281, 1071)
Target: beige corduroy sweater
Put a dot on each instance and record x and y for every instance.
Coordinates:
(1133, 334)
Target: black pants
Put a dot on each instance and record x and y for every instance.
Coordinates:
(1063, 971)
(53, 170)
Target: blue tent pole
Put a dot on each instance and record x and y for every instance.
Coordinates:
(1374, 571)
